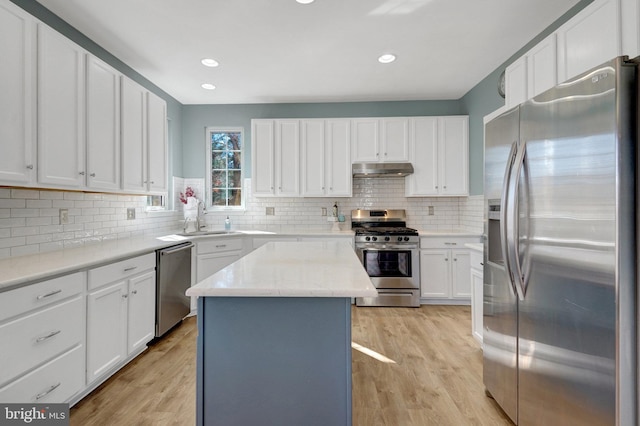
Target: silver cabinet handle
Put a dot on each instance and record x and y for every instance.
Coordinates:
(221, 246)
(124, 296)
(81, 173)
(130, 269)
(48, 336)
(446, 259)
(451, 244)
(92, 175)
(30, 166)
(51, 293)
(455, 259)
(152, 182)
(48, 391)
(134, 292)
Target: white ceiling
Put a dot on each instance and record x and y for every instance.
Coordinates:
(281, 51)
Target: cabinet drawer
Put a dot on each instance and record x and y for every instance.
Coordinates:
(39, 336)
(30, 297)
(219, 244)
(476, 260)
(54, 382)
(447, 242)
(120, 270)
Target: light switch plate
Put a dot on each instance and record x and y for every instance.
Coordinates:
(431, 211)
(131, 214)
(270, 211)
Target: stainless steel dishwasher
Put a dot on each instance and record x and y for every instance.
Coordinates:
(173, 278)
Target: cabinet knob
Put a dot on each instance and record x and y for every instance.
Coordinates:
(124, 296)
(81, 173)
(152, 182)
(30, 166)
(134, 292)
(446, 259)
(92, 175)
(444, 187)
(455, 260)
(436, 186)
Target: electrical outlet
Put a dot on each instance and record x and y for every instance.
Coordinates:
(324, 211)
(431, 211)
(64, 216)
(131, 213)
(270, 211)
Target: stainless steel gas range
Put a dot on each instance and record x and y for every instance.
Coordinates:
(389, 253)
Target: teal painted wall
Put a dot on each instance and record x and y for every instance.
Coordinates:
(174, 108)
(197, 117)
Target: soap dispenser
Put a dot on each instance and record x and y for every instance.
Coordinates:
(335, 209)
(227, 224)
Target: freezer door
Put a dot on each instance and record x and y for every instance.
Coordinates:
(576, 195)
(499, 300)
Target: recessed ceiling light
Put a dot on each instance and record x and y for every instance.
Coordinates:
(208, 86)
(305, 1)
(387, 58)
(208, 62)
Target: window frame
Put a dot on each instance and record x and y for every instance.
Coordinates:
(209, 167)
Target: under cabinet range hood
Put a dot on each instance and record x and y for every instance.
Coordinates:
(372, 170)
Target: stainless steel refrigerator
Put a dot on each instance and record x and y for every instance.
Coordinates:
(560, 298)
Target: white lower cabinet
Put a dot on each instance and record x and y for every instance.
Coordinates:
(444, 270)
(477, 286)
(45, 323)
(120, 313)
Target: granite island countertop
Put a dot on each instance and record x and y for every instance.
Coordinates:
(291, 269)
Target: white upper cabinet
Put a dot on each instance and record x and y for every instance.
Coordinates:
(17, 99)
(275, 156)
(365, 140)
(61, 108)
(133, 130)
(439, 152)
(262, 157)
(395, 139)
(338, 155)
(287, 151)
(326, 158)
(532, 73)
(157, 180)
(589, 39)
(380, 140)
(542, 71)
(103, 125)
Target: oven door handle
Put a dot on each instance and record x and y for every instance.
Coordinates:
(387, 248)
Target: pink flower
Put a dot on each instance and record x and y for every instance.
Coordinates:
(188, 192)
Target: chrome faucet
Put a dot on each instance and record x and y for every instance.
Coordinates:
(199, 225)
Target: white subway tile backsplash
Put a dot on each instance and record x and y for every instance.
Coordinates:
(32, 194)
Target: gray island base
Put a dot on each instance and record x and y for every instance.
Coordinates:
(274, 336)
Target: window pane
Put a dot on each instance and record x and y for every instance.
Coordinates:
(226, 168)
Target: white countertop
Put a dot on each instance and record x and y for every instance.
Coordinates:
(475, 246)
(291, 269)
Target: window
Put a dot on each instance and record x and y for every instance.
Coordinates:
(224, 174)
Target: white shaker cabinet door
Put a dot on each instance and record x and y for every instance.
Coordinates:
(435, 274)
(17, 99)
(287, 158)
(365, 140)
(542, 70)
(61, 107)
(589, 39)
(134, 135)
(515, 81)
(142, 311)
(424, 157)
(395, 139)
(338, 158)
(454, 155)
(103, 125)
(106, 329)
(313, 158)
(262, 157)
(460, 277)
(157, 180)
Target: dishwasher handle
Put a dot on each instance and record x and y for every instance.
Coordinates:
(173, 249)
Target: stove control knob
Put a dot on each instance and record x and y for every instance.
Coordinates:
(387, 238)
(406, 238)
(374, 238)
(399, 238)
(367, 238)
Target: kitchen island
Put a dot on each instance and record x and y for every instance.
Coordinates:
(274, 336)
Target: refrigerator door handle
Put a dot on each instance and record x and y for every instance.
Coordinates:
(512, 213)
(504, 219)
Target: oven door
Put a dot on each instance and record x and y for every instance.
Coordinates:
(391, 268)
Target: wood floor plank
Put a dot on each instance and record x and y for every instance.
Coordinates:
(435, 377)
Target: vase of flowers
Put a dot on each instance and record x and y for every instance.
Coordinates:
(190, 201)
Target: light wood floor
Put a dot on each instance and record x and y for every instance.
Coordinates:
(436, 378)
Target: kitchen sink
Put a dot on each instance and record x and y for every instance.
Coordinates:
(199, 233)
